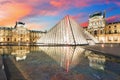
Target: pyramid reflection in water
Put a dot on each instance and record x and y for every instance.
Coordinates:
(67, 32)
(67, 57)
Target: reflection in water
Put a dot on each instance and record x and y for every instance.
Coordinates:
(67, 57)
(96, 61)
(5, 49)
(45, 63)
(20, 52)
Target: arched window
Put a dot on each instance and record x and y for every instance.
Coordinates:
(95, 32)
(101, 31)
(15, 39)
(8, 39)
(109, 31)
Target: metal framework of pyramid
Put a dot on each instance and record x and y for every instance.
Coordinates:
(67, 32)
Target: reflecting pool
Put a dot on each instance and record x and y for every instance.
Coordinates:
(58, 63)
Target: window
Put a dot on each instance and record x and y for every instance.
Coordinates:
(115, 31)
(100, 31)
(115, 38)
(99, 22)
(109, 32)
(109, 38)
(7, 39)
(15, 39)
(95, 23)
(20, 39)
(105, 32)
(95, 32)
(3, 39)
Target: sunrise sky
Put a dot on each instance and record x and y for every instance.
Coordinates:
(44, 14)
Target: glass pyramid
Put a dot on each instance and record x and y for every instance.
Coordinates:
(67, 32)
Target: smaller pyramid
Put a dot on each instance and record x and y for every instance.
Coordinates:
(67, 32)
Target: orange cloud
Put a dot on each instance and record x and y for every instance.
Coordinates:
(12, 12)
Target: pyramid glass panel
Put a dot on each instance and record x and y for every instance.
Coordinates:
(67, 32)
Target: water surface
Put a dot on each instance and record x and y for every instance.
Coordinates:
(62, 63)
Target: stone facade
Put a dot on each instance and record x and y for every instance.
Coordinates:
(19, 35)
(111, 33)
(103, 31)
(35, 35)
(96, 23)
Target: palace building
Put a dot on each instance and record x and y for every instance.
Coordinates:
(103, 31)
(111, 33)
(36, 35)
(96, 23)
(19, 35)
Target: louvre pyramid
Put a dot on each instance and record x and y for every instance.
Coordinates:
(67, 32)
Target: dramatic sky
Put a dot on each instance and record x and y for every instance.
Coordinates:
(44, 14)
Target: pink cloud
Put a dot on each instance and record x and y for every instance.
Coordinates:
(65, 4)
(56, 3)
(82, 3)
(48, 12)
(79, 16)
(117, 3)
(84, 24)
(76, 17)
(113, 18)
(61, 4)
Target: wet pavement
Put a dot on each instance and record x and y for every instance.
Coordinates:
(107, 49)
(11, 71)
(2, 72)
